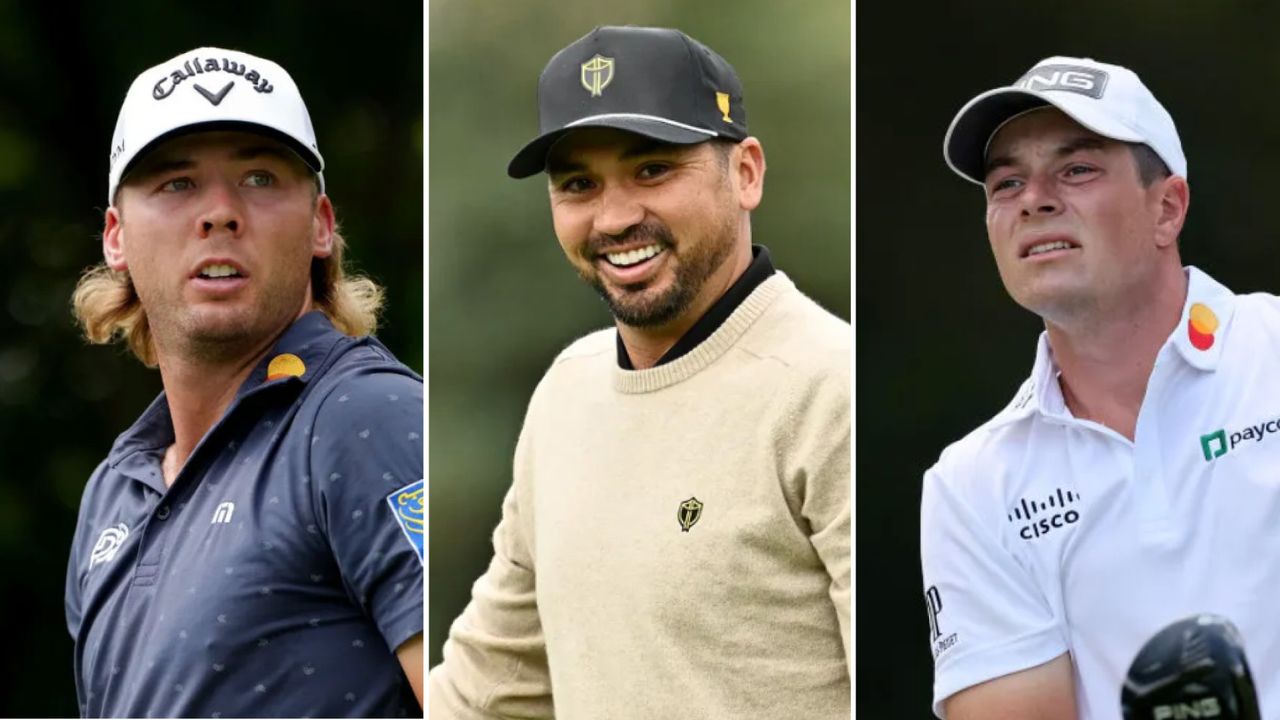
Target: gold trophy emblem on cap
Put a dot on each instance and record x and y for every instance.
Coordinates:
(597, 73)
(722, 102)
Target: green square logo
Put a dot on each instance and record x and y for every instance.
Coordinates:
(1207, 445)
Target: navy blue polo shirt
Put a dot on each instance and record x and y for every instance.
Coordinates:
(281, 570)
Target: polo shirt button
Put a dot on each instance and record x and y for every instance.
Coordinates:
(163, 512)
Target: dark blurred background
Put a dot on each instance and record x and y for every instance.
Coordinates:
(64, 69)
(503, 299)
(941, 347)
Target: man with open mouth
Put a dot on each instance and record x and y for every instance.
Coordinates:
(1131, 481)
(253, 544)
(676, 538)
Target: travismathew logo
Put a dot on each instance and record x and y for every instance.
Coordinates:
(1068, 78)
(195, 66)
(1218, 443)
(1039, 518)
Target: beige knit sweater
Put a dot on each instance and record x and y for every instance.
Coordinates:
(676, 541)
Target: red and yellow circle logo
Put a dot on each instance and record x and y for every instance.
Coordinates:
(1201, 326)
(283, 366)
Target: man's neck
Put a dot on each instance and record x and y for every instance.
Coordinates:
(1106, 360)
(646, 346)
(199, 389)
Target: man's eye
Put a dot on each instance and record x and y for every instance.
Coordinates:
(576, 185)
(1005, 184)
(653, 170)
(259, 178)
(177, 185)
(1077, 170)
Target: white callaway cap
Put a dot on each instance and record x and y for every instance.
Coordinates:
(209, 89)
(1108, 99)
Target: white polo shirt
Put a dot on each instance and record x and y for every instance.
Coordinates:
(1043, 534)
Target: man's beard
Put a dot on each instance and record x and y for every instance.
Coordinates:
(638, 309)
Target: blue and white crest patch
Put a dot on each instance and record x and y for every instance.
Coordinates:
(408, 504)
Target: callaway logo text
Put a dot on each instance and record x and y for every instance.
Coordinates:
(196, 66)
(1217, 443)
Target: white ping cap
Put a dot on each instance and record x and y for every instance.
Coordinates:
(210, 89)
(1107, 99)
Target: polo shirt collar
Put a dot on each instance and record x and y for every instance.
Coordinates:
(1199, 338)
(1206, 320)
(295, 358)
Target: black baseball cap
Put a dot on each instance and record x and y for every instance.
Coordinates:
(655, 82)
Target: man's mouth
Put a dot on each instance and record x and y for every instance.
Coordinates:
(1047, 247)
(633, 257)
(219, 271)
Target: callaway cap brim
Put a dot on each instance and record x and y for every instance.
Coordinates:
(973, 128)
(305, 154)
(532, 158)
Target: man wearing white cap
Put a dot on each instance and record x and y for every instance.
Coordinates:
(253, 544)
(1132, 479)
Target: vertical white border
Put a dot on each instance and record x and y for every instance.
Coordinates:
(426, 350)
(853, 364)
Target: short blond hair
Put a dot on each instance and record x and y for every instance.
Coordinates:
(107, 306)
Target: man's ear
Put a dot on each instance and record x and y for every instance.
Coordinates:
(748, 165)
(113, 240)
(1175, 197)
(323, 228)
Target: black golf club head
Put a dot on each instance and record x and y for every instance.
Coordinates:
(1194, 668)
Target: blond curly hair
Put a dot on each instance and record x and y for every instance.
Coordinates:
(107, 307)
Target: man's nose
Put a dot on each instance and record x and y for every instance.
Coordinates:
(1040, 198)
(618, 212)
(222, 211)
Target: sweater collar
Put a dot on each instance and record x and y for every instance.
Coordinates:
(758, 271)
(708, 351)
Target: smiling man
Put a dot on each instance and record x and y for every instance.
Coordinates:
(1117, 492)
(252, 545)
(676, 538)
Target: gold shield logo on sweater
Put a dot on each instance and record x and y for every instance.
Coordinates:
(597, 73)
(689, 513)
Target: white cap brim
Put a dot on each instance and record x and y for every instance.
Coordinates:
(969, 136)
(207, 89)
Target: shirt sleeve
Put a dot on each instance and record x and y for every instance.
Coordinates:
(988, 616)
(366, 462)
(495, 660)
(76, 568)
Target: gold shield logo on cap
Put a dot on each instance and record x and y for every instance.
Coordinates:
(597, 73)
(722, 102)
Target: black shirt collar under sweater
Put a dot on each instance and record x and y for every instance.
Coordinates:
(758, 271)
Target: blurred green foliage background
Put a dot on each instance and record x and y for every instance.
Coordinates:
(503, 299)
(941, 347)
(64, 69)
